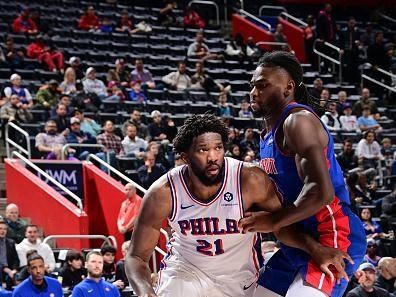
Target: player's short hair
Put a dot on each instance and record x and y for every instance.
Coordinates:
(108, 249)
(198, 125)
(32, 257)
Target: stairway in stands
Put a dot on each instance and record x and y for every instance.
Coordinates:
(3, 194)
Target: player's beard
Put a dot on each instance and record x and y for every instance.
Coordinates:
(207, 181)
(95, 275)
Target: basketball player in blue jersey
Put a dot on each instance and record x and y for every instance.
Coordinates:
(208, 255)
(298, 154)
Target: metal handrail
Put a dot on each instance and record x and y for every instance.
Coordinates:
(208, 3)
(271, 43)
(67, 145)
(112, 169)
(27, 151)
(79, 236)
(334, 61)
(373, 80)
(387, 17)
(289, 16)
(51, 179)
(273, 7)
(244, 12)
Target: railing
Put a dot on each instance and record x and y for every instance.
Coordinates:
(109, 240)
(67, 145)
(334, 61)
(208, 3)
(293, 18)
(267, 25)
(51, 179)
(140, 188)
(271, 7)
(388, 18)
(272, 43)
(9, 141)
(377, 82)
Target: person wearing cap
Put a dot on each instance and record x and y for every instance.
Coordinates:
(348, 120)
(78, 136)
(15, 89)
(94, 85)
(366, 275)
(89, 21)
(23, 23)
(143, 75)
(75, 63)
(160, 130)
(40, 50)
(47, 96)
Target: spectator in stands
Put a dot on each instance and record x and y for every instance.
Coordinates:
(159, 154)
(61, 120)
(50, 143)
(68, 85)
(120, 266)
(371, 255)
(133, 145)
(126, 23)
(38, 284)
(136, 94)
(386, 276)
(377, 53)
(114, 92)
(105, 25)
(252, 50)
(135, 119)
(109, 266)
(234, 152)
(9, 262)
(309, 38)
(178, 80)
(75, 63)
(111, 142)
(236, 47)
(40, 50)
(13, 57)
(330, 118)
(143, 75)
(87, 125)
(348, 121)
(368, 150)
(368, 37)
(365, 101)
(129, 210)
(23, 23)
(200, 50)
(372, 228)
(96, 86)
(223, 107)
(15, 111)
(250, 142)
(366, 283)
(16, 226)
(85, 101)
(65, 100)
(202, 81)
(32, 242)
(161, 130)
(94, 283)
(317, 88)
(79, 137)
(47, 95)
(73, 271)
(279, 36)
(42, 25)
(122, 72)
(367, 122)
(389, 206)
(167, 16)
(349, 44)
(347, 158)
(15, 89)
(342, 101)
(192, 19)
(325, 24)
(150, 171)
(89, 21)
(245, 112)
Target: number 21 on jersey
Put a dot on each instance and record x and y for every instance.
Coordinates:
(206, 248)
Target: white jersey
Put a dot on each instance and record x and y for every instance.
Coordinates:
(206, 234)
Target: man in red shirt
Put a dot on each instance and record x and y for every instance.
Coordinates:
(23, 23)
(128, 212)
(40, 50)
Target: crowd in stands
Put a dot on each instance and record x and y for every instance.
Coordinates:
(73, 107)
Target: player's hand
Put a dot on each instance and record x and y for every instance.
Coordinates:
(260, 221)
(332, 262)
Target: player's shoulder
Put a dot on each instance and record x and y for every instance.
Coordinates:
(252, 173)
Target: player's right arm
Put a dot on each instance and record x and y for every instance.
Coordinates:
(156, 207)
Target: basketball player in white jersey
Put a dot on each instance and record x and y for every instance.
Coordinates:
(208, 255)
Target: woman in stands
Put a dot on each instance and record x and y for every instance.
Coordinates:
(73, 271)
(68, 86)
(372, 228)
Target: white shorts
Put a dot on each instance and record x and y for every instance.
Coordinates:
(180, 279)
(296, 289)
